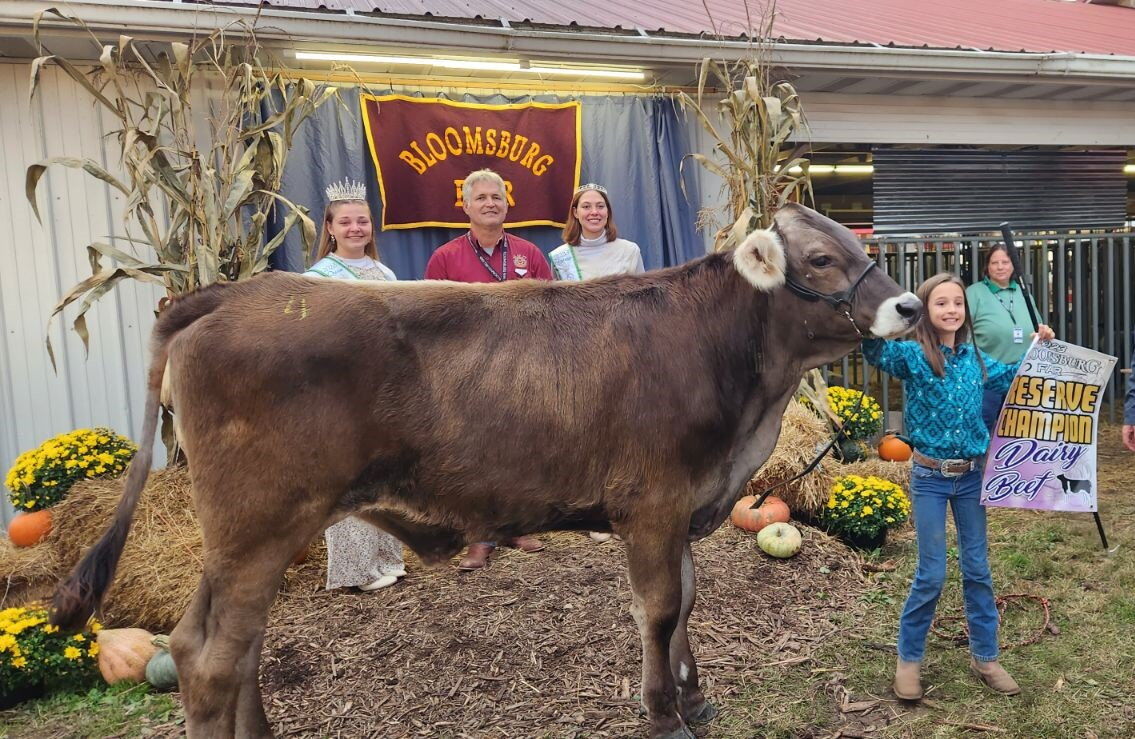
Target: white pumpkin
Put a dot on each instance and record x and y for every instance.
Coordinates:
(780, 540)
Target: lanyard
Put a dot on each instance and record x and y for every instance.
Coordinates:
(485, 262)
(1009, 307)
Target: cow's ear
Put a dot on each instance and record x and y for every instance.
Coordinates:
(760, 260)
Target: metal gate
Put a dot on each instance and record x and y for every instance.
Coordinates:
(1083, 285)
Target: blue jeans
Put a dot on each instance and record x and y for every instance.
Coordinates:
(931, 491)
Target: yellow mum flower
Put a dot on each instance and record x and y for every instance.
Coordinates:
(72, 653)
(19, 662)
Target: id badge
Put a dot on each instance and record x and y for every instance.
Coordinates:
(1018, 335)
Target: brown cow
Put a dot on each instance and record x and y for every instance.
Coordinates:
(446, 413)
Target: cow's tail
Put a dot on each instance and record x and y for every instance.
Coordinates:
(78, 597)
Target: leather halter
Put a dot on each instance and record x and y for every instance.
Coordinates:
(840, 301)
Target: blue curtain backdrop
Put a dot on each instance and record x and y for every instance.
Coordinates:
(632, 145)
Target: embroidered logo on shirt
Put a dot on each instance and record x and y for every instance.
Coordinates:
(520, 264)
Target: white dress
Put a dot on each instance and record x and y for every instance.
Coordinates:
(358, 553)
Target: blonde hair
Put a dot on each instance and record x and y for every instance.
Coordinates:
(327, 246)
(924, 331)
(573, 229)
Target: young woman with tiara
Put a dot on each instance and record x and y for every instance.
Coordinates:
(358, 554)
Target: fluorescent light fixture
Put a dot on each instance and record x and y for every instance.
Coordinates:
(480, 65)
(1129, 169)
(834, 169)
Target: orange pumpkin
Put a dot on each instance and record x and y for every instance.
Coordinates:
(29, 528)
(773, 510)
(894, 449)
(123, 654)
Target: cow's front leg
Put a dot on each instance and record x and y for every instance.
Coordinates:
(654, 558)
(694, 707)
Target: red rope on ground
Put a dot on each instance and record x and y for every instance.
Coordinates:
(1002, 603)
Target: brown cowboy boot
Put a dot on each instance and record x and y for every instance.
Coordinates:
(477, 557)
(995, 676)
(527, 544)
(907, 684)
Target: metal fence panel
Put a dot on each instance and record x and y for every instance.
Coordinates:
(1082, 284)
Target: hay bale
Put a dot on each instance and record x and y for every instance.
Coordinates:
(896, 472)
(160, 565)
(800, 432)
(26, 573)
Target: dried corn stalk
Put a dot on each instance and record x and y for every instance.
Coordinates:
(200, 186)
(755, 149)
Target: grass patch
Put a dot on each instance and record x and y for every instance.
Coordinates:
(1079, 682)
(122, 710)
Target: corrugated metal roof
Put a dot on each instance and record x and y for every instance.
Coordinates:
(995, 25)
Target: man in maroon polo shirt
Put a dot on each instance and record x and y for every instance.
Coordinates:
(487, 254)
(480, 255)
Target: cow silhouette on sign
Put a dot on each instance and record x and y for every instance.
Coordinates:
(1071, 486)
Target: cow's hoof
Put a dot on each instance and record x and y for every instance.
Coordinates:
(707, 712)
(681, 733)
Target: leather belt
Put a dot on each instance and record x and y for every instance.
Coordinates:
(948, 467)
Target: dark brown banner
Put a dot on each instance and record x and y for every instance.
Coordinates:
(424, 147)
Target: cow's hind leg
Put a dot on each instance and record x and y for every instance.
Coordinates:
(691, 701)
(216, 645)
(654, 558)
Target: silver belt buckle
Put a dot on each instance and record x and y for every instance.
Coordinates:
(948, 462)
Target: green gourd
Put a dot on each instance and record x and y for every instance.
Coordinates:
(848, 451)
(161, 672)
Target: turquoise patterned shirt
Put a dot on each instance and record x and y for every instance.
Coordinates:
(942, 414)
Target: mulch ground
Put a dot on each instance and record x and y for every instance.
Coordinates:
(538, 645)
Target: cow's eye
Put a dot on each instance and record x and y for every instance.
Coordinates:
(820, 261)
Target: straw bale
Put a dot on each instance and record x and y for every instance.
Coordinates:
(160, 565)
(896, 472)
(25, 574)
(801, 432)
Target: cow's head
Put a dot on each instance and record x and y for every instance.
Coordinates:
(825, 284)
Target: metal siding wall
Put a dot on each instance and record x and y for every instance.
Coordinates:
(42, 261)
(956, 190)
(910, 119)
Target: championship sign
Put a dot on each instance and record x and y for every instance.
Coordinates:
(1043, 451)
(424, 147)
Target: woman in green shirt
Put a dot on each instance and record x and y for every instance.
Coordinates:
(1001, 322)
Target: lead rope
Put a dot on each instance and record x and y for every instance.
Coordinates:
(824, 452)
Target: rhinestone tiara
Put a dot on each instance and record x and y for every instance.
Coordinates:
(591, 186)
(346, 190)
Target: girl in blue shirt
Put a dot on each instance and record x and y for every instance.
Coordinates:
(944, 378)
